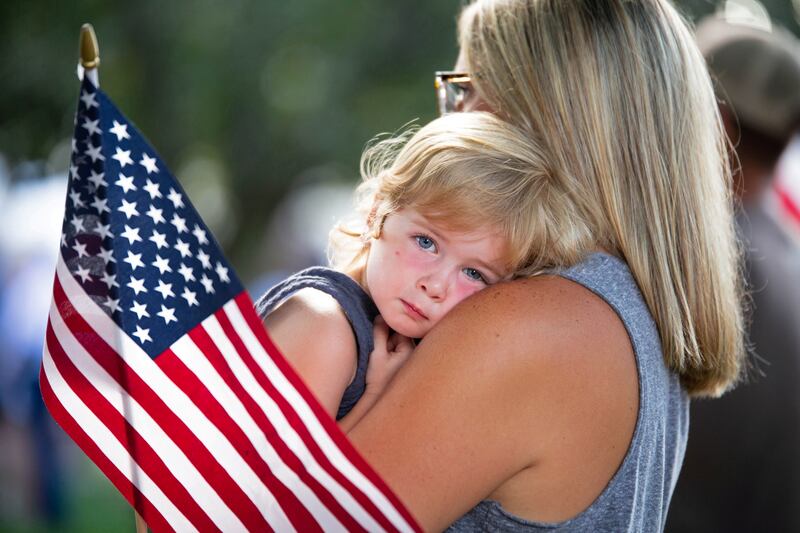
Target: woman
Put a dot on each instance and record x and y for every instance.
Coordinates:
(560, 401)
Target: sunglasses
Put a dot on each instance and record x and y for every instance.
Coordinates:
(452, 89)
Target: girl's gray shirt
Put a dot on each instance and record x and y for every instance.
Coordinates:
(638, 495)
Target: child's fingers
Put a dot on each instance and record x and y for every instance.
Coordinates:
(380, 332)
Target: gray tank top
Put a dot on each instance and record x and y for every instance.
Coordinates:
(358, 307)
(637, 497)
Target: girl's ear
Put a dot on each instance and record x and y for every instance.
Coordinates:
(374, 221)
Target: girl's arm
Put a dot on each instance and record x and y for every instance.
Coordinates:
(526, 393)
(313, 333)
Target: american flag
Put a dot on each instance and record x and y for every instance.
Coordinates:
(784, 199)
(156, 364)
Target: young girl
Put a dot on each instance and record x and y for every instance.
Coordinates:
(444, 215)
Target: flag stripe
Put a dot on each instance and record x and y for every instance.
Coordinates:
(147, 383)
(788, 203)
(225, 336)
(283, 416)
(140, 405)
(332, 441)
(107, 411)
(113, 459)
(199, 378)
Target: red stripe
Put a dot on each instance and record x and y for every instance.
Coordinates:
(298, 515)
(245, 305)
(287, 454)
(788, 202)
(154, 519)
(202, 459)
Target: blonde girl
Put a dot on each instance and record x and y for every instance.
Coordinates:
(441, 217)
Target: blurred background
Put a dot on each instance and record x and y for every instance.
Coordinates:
(261, 109)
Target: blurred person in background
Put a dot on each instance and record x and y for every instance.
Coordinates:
(742, 466)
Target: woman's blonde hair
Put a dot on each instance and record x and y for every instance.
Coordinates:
(618, 96)
(466, 171)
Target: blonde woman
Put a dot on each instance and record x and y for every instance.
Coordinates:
(560, 402)
(441, 217)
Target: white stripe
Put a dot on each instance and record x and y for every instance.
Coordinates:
(138, 417)
(287, 434)
(187, 351)
(290, 479)
(310, 420)
(172, 395)
(111, 447)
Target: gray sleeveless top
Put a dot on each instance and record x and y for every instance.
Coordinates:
(358, 307)
(637, 497)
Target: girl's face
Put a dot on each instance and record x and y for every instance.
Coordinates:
(418, 270)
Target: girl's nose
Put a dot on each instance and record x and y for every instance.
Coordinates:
(433, 285)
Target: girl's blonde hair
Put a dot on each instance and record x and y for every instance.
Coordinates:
(466, 171)
(618, 96)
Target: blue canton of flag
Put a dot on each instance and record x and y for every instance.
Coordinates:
(131, 237)
(157, 366)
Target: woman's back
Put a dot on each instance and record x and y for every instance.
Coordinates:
(637, 497)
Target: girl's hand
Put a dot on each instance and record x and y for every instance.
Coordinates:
(392, 350)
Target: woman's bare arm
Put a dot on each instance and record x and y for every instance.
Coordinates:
(522, 388)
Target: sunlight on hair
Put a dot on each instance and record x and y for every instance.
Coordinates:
(749, 13)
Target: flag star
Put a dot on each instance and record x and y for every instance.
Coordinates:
(91, 126)
(168, 314)
(132, 234)
(165, 289)
(104, 231)
(101, 204)
(200, 234)
(139, 309)
(83, 273)
(186, 272)
(153, 189)
(129, 208)
(106, 255)
(135, 260)
(161, 264)
(222, 272)
(64, 239)
(142, 334)
(190, 296)
(81, 249)
(109, 279)
(123, 156)
(98, 179)
(73, 171)
(155, 214)
(74, 145)
(88, 100)
(111, 304)
(94, 152)
(76, 199)
(159, 238)
(208, 284)
(204, 259)
(149, 163)
(78, 223)
(120, 130)
(179, 223)
(137, 285)
(183, 248)
(126, 182)
(175, 197)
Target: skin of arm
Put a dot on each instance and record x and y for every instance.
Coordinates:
(526, 393)
(313, 333)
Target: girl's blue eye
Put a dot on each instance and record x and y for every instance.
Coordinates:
(474, 274)
(424, 242)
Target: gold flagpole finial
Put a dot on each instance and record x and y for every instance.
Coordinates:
(90, 52)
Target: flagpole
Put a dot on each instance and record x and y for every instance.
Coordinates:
(88, 66)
